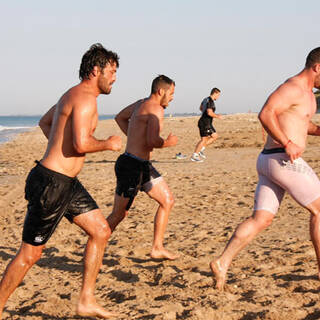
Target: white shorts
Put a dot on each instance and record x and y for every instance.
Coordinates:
(277, 175)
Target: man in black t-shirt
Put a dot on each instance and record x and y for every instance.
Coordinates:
(207, 131)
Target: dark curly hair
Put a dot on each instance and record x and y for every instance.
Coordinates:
(97, 55)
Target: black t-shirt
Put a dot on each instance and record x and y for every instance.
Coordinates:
(207, 103)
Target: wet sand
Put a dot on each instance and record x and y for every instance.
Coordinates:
(275, 277)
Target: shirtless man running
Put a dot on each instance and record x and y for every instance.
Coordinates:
(142, 122)
(52, 189)
(286, 116)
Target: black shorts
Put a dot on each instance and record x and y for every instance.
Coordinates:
(133, 174)
(51, 196)
(206, 129)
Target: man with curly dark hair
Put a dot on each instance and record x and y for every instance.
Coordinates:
(52, 188)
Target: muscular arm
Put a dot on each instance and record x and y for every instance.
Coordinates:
(46, 121)
(313, 129)
(82, 132)
(154, 126)
(123, 117)
(278, 102)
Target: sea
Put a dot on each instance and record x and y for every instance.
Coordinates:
(10, 126)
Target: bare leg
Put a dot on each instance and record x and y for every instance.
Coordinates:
(16, 270)
(200, 144)
(212, 139)
(314, 208)
(244, 234)
(162, 194)
(205, 141)
(119, 211)
(96, 226)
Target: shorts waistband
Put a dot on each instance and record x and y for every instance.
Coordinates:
(274, 150)
(56, 174)
(135, 157)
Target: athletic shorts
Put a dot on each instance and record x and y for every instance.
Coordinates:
(206, 129)
(134, 174)
(51, 196)
(277, 175)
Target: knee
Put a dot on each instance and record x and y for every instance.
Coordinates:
(169, 201)
(314, 210)
(102, 232)
(116, 217)
(315, 213)
(264, 222)
(30, 258)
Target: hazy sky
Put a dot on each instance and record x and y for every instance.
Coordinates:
(245, 48)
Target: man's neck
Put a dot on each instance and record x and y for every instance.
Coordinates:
(90, 86)
(306, 78)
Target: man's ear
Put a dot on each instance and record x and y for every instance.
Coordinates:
(95, 71)
(161, 92)
(316, 67)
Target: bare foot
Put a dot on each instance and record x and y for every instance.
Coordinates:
(163, 254)
(94, 310)
(219, 274)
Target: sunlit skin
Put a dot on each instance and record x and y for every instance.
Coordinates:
(107, 78)
(143, 135)
(286, 115)
(69, 127)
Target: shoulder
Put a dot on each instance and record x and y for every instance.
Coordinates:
(150, 107)
(82, 99)
(205, 100)
(288, 94)
(291, 87)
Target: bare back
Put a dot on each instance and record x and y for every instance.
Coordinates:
(61, 155)
(145, 123)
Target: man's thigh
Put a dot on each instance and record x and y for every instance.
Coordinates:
(160, 191)
(91, 221)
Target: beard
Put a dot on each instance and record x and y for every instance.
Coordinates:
(164, 102)
(105, 89)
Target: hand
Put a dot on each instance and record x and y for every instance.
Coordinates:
(114, 143)
(172, 140)
(293, 151)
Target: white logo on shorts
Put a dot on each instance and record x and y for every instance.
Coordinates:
(38, 239)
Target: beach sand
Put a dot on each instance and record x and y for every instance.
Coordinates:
(275, 277)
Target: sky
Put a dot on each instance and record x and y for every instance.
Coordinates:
(245, 48)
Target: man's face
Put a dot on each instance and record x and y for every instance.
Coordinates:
(317, 77)
(107, 77)
(168, 96)
(216, 96)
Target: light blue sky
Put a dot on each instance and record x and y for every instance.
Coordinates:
(245, 48)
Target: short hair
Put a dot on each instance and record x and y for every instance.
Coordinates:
(97, 55)
(161, 81)
(313, 57)
(214, 90)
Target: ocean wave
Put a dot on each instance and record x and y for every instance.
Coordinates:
(2, 128)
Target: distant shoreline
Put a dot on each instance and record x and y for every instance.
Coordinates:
(11, 126)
